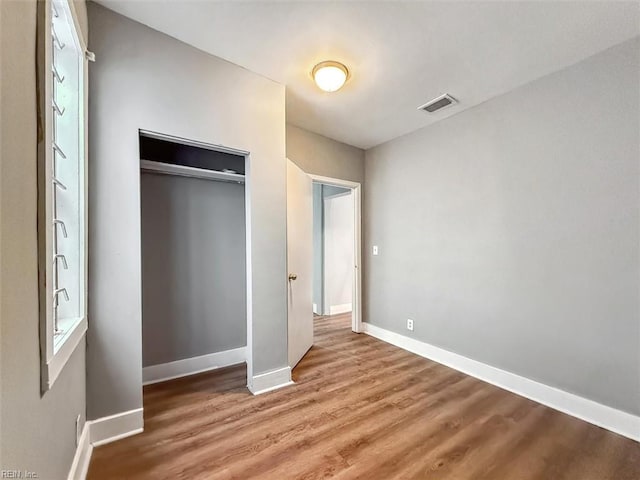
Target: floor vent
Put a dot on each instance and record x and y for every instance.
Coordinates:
(438, 103)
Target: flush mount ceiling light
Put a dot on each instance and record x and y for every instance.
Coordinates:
(330, 76)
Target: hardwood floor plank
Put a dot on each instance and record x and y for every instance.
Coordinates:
(364, 422)
(360, 408)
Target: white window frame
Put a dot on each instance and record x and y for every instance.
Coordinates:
(56, 349)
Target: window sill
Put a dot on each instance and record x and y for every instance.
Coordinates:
(67, 345)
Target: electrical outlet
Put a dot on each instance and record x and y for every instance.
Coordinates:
(409, 324)
(375, 250)
(78, 430)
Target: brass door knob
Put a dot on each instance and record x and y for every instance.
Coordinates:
(292, 276)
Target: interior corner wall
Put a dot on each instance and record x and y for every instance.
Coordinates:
(143, 79)
(38, 431)
(510, 231)
(319, 155)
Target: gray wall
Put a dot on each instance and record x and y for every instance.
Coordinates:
(318, 248)
(193, 267)
(320, 155)
(510, 232)
(143, 79)
(37, 432)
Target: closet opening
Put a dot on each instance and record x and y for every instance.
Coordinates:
(194, 257)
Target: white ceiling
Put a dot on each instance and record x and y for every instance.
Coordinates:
(400, 54)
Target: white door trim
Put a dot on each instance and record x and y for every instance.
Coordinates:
(356, 188)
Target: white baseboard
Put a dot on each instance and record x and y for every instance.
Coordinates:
(116, 427)
(191, 366)
(337, 309)
(80, 464)
(99, 432)
(266, 382)
(603, 416)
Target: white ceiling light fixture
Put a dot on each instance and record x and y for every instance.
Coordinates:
(330, 76)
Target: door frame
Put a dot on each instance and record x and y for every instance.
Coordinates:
(356, 189)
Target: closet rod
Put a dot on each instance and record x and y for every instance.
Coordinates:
(184, 171)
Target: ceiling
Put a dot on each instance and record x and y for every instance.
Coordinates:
(400, 54)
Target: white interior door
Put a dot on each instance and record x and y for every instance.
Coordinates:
(299, 261)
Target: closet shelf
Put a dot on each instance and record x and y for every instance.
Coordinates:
(184, 171)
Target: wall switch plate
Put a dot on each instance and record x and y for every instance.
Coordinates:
(78, 430)
(375, 250)
(409, 324)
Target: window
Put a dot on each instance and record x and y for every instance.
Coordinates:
(62, 187)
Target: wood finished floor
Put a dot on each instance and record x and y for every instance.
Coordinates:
(360, 408)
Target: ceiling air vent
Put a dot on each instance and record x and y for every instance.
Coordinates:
(438, 103)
